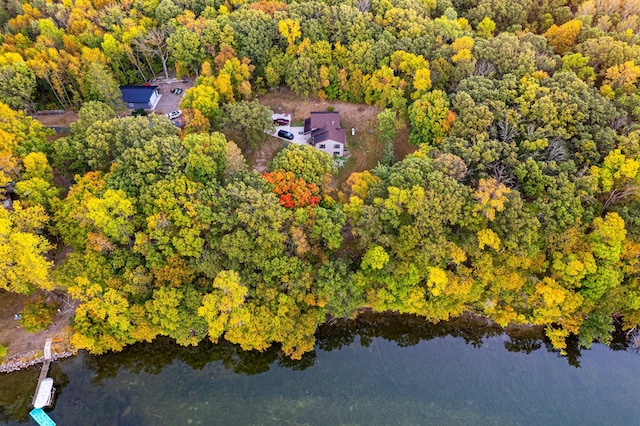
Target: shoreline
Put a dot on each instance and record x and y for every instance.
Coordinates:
(32, 358)
(18, 363)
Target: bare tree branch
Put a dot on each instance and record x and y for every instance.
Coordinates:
(506, 131)
(364, 5)
(154, 43)
(617, 195)
(502, 174)
(556, 151)
(484, 68)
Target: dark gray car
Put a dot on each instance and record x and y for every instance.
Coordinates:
(285, 134)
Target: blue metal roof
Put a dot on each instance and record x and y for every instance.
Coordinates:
(137, 94)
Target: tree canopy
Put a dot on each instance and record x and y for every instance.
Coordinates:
(520, 204)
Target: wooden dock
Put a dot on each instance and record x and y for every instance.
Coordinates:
(44, 371)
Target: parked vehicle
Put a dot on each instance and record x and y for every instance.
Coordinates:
(281, 121)
(285, 134)
(173, 114)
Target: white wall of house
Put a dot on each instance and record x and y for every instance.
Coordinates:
(153, 101)
(331, 147)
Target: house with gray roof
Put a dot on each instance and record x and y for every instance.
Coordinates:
(325, 133)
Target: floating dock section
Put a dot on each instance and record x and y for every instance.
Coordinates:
(41, 417)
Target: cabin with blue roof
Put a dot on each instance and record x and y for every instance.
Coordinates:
(145, 97)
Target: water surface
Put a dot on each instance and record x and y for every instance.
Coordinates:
(375, 371)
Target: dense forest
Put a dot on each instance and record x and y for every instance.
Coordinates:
(520, 203)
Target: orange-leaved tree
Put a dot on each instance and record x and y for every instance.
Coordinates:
(293, 191)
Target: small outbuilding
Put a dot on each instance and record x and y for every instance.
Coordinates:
(145, 97)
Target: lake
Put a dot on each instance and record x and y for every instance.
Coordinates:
(378, 370)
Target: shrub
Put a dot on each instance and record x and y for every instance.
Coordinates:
(330, 108)
(3, 352)
(37, 315)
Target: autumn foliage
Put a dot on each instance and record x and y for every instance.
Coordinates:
(293, 192)
(521, 202)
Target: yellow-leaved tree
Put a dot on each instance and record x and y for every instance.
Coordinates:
(491, 196)
(290, 29)
(24, 267)
(221, 307)
(617, 179)
(563, 37)
(554, 304)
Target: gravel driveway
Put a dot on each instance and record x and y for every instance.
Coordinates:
(169, 101)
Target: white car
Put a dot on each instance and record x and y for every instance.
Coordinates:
(173, 115)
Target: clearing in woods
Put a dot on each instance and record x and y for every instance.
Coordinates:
(366, 148)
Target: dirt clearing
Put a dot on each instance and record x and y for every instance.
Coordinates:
(24, 347)
(57, 120)
(365, 146)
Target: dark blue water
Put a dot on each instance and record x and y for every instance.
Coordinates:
(358, 375)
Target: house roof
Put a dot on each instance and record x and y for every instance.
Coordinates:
(319, 119)
(137, 94)
(324, 125)
(331, 133)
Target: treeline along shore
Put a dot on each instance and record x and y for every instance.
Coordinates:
(520, 203)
